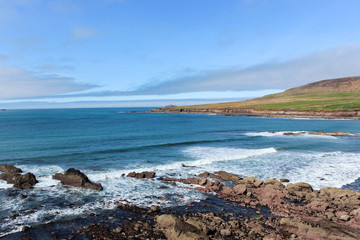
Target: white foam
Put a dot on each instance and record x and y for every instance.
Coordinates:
(4, 185)
(283, 133)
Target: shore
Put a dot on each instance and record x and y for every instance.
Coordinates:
(235, 208)
(355, 114)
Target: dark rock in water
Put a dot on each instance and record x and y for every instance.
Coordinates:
(9, 168)
(142, 175)
(22, 196)
(25, 181)
(76, 178)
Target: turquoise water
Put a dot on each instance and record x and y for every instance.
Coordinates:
(107, 143)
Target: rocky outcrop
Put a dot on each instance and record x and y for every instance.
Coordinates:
(24, 181)
(142, 175)
(76, 178)
(177, 229)
(9, 168)
(221, 175)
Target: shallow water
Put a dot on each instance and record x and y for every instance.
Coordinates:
(107, 143)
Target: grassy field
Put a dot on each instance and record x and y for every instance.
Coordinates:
(314, 102)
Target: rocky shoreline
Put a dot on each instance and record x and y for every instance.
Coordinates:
(236, 208)
(349, 114)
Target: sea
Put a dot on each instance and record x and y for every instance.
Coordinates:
(108, 143)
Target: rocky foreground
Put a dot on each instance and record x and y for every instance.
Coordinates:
(240, 209)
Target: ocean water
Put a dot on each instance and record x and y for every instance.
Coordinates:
(107, 143)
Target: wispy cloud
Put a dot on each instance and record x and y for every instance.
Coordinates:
(81, 33)
(54, 67)
(334, 63)
(19, 83)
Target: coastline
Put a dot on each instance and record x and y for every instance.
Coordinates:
(235, 208)
(354, 114)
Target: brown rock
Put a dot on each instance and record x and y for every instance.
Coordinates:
(184, 231)
(142, 175)
(252, 181)
(166, 221)
(208, 175)
(25, 181)
(274, 183)
(284, 180)
(9, 168)
(228, 176)
(76, 178)
(240, 189)
(227, 191)
(299, 189)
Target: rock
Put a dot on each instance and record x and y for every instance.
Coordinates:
(155, 208)
(228, 176)
(166, 221)
(184, 231)
(25, 181)
(25, 228)
(284, 180)
(76, 178)
(225, 232)
(344, 217)
(142, 175)
(274, 183)
(227, 191)
(240, 189)
(299, 189)
(9, 168)
(199, 225)
(208, 175)
(319, 230)
(252, 181)
(22, 196)
(203, 182)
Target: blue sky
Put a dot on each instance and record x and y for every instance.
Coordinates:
(158, 52)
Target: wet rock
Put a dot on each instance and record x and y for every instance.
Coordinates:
(155, 208)
(76, 178)
(142, 175)
(22, 196)
(25, 228)
(9, 168)
(25, 181)
(240, 189)
(199, 225)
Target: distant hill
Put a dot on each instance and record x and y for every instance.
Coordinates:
(331, 86)
(333, 97)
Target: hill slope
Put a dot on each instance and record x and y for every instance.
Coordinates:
(334, 97)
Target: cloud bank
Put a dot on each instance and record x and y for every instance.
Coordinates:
(18, 83)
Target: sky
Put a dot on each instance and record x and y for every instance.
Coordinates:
(102, 53)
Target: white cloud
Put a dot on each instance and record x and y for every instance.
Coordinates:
(18, 83)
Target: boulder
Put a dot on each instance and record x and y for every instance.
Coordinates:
(208, 175)
(9, 168)
(299, 189)
(142, 175)
(284, 180)
(240, 189)
(76, 178)
(274, 183)
(252, 181)
(25, 181)
(184, 231)
(222, 175)
(166, 221)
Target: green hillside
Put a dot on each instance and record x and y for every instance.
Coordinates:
(327, 95)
